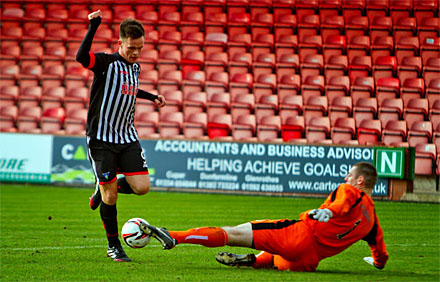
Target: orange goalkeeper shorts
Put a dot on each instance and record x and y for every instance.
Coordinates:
(290, 241)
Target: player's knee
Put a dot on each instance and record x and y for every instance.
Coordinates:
(143, 189)
(109, 198)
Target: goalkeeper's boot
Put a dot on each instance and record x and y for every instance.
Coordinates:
(117, 254)
(95, 199)
(235, 260)
(161, 234)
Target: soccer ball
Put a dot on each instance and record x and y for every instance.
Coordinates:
(133, 235)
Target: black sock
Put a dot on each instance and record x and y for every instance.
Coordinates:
(123, 186)
(110, 221)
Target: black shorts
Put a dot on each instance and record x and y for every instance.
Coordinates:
(108, 159)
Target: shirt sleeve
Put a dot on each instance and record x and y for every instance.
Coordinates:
(146, 95)
(377, 244)
(83, 55)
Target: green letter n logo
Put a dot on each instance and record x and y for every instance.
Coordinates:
(390, 162)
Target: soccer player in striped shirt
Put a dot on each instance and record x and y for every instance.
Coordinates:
(112, 140)
(346, 216)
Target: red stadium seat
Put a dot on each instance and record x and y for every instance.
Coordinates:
(262, 23)
(290, 105)
(390, 109)
(332, 26)
(409, 67)
(170, 124)
(191, 22)
(385, 66)
(387, 88)
(431, 69)
(218, 103)
(242, 104)
(238, 23)
(217, 82)
(380, 26)
(75, 122)
(240, 63)
(416, 110)
(364, 109)
(382, 46)
(340, 107)
(369, 132)
(312, 86)
(420, 132)
(289, 84)
(147, 124)
(195, 125)
(358, 45)
(192, 41)
(285, 24)
(434, 113)
(343, 129)
(266, 105)
(286, 44)
(356, 26)
(412, 88)
(8, 118)
(53, 97)
(287, 64)
(268, 129)
(244, 127)
(315, 107)
(407, 46)
(215, 22)
(241, 83)
(219, 126)
(52, 121)
(170, 80)
(174, 100)
(169, 21)
(337, 86)
(292, 128)
(430, 48)
(28, 119)
(425, 159)
(394, 131)
(264, 64)
(362, 87)
(318, 130)
(194, 102)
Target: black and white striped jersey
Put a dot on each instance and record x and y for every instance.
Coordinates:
(112, 98)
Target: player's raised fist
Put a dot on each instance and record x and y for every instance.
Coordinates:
(96, 14)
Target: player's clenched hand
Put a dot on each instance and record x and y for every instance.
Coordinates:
(96, 14)
(321, 215)
(160, 101)
(370, 261)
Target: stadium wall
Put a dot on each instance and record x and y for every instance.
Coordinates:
(202, 166)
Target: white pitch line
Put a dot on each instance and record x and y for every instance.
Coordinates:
(156, 246)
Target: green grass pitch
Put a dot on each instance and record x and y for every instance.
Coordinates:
(50, 234)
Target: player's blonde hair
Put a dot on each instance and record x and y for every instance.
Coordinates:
(368, 171)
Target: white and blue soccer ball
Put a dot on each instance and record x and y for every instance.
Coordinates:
(133, 235)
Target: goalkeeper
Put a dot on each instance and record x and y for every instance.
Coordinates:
(345, 217)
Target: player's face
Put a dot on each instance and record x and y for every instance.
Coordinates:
(351, 177)
(130, 49)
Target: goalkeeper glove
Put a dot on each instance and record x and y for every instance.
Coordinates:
(370, 261)
(321, 215)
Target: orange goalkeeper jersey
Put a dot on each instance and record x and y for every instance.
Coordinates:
(354, 218)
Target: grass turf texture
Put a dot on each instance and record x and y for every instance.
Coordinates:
(50, 233)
